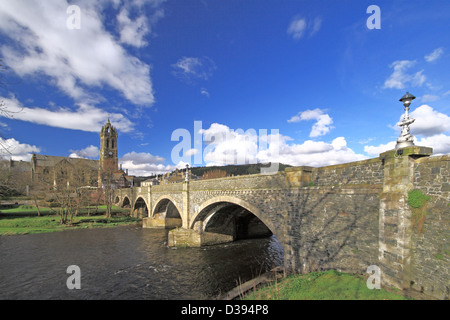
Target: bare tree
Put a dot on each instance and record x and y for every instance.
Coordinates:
(68, 185)
(214, 174)
(12, 183)
(4, 110)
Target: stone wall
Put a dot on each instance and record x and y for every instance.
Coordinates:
(255, 181)
(331, 228)
(368, 172)
(365, 172)
(345, 217)
(430, 265)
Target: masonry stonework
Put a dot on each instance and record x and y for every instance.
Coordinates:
(345, 217)
(430, 256)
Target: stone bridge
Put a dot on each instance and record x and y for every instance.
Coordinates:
(345, 217)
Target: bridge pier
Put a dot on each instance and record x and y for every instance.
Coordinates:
(395, 216)
(181, 237)
(160, 222)
(346, 217)
(185, 210)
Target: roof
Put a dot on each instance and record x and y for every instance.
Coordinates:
(16, 166)
(51, 161)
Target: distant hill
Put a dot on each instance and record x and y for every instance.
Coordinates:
(237, 170)
(231, 170)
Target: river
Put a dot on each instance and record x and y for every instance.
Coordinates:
(127, 262)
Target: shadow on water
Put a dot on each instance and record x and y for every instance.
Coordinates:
(127, 263)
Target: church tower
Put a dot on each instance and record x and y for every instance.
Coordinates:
(108, 148)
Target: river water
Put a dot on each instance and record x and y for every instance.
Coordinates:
(127, 262)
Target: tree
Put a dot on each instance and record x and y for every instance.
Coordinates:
(214, 174)
(4, 111)
(68, 186)
(12, 184)
(81, 185)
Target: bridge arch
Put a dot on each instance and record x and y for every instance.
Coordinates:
(126, 203)
(140, 208)
(233, 216)
(167, 212)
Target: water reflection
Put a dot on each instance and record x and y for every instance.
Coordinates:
(127, 263)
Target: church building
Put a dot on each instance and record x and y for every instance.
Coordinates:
(92, 173)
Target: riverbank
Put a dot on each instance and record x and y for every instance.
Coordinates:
(326, 285)
(24, 221)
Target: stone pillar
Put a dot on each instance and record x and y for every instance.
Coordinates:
(299, 176)
(395, 215)
(132, 200)
(185, 209)
(149, 199)
(147, 221)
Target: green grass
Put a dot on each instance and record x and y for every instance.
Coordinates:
(27, 210)
(328, 285)
(51, 223)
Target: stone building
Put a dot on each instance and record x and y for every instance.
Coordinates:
(55, 169)
(108, 147)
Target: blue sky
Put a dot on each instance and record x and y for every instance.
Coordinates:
(300, 82)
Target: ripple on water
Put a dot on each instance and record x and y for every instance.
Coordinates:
(127, 263)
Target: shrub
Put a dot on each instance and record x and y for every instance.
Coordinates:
(418, 203)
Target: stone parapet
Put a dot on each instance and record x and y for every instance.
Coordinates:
(346, 217)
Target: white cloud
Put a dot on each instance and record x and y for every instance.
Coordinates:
(429, 98)
(192, 68)
(134, 28)
(440, 143)
(316, 25)
(399, 78)
(226, 146)
(297, 28)
(91, 152)
(366, 141)
(301, 26)
(322, 125)
(146, 164)
(191, 152)
(85, 118)
(73, 59)
(239, 147)
(433, 56)
(375, 151)
(316, 153)
(204, 92)
(418, 79)
(429, 122)
(429, 130)
(13, 149)
(141, 158)
(132, 32)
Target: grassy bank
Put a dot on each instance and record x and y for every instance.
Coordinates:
(20, 222)
(29, 210)
(327, 285)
